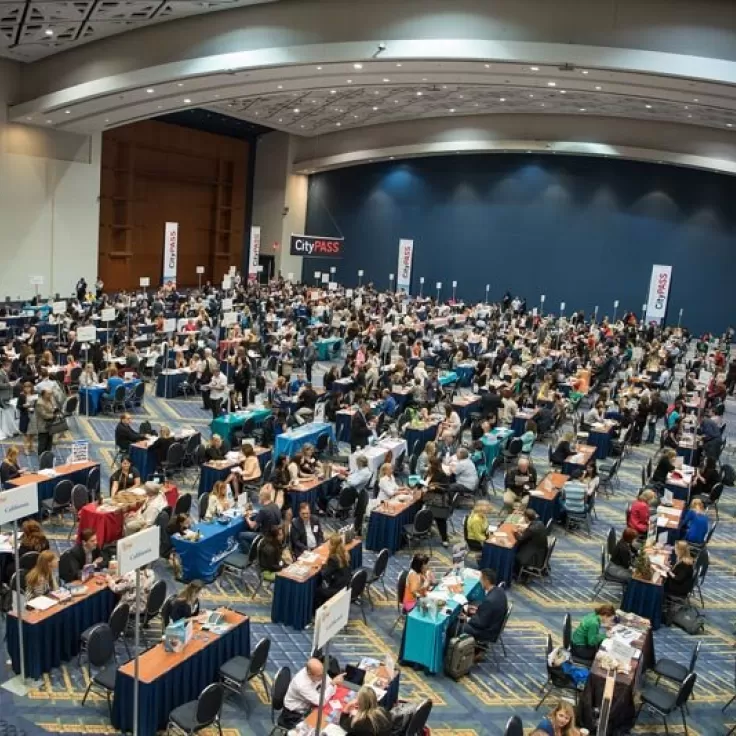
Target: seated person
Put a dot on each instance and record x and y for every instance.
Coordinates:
(10, 467)
(560, 722)
(485, 620)
(418, 581)
(529, 436)
(125, 586)
(466, 474)
(85, 552)
(186, 603)
(477, 525)
(216, 450)
(623, 556)
(336, 573)
(591, 631)
(575, 494)
(680, 580)
(664, 467)
(387, 485)
(248, 473)
(40, 579)
(295, 471)
(125, 435)
(531, 542)
(694, 527)
(271, 553)
(147, 514)
(218, 502)
(364, 717)
(263, 521)
(33, 538)
(306, 531)
(519, 482)
(125, 477)
(705, 478)
(563, 449)
(303, 695)
(309, 465)
(161, 446)
(638, 516)
(113, 381)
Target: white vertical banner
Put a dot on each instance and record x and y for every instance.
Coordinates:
(406, 253)
(171, 251)
(659, 291)
(255, 252)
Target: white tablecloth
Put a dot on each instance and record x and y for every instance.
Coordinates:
(376, 453)
(8, 422)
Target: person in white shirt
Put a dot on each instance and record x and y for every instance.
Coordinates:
(304, 693)
(594, 414)
(466, 474)
(125, 586)
(387, 485)
(146, 516)
(451, 423)
(420, 371)
(218, 391)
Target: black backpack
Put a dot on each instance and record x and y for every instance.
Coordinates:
(689, 619)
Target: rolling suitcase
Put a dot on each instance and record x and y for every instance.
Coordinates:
(459, 656)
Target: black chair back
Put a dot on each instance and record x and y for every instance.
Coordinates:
(357, 584)
(80, 496)
(694, 657)
(419, 719)
(145, 428)
(515, 446)
(401, 587)
(93, 481)
(183, 504)
(119, 619)
(46, 460)
(63, 492)
(156, 598)
(253, 551)
(514, 727)
(322, 442)
(716, 492)
(200, 455)
(68, 571)
(267, 471)
(686, 690)
(280, 686)
(166, 611)
(423, 521)
(28, 561)
(701, 565)
(566, 631)
(348, 496)
(380, 565)
(70, 406)
(611, 541)
(248, 426)
(175, 455)
(259, 657)
(202, 504)
(209, 705)
(711, 532)
(119, 395)
(100, 646)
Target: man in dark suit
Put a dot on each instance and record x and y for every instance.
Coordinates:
(125, 435)
(485, 621)
(359, 429)
(306, 531)
(74, 347)
(531, 548)
(85, 552)
(490, 402)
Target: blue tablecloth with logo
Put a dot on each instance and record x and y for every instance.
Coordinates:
(385, 531)
(177, 685)
(417, 438)
(644, 599)
(293, 600)
(494, 443)
(327, 347)
(202, 559)
(601, 441)
(292, 441)
(55, 639)
(424, 638)
(500, 559)
(226, 425)
(167, 384)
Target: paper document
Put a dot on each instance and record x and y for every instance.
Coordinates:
(42, 603)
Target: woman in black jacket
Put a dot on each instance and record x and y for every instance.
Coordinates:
(271, 553)
(436, 498)
(336, 573)
(364, 717)
(680, 580)
(623, 556)
(563, 450)
(9, 468)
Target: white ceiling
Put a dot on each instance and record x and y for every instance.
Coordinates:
(33, 29)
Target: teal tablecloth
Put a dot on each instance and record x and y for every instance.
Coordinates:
(450, 377)
(326, 347)
(292, 441)
(228, 423)
(493, 444)
(424, 638)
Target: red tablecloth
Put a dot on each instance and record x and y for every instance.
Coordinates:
(108, 525)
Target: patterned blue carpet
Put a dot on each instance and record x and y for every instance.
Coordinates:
(478, 704)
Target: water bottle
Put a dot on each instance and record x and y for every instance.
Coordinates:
(113, 567)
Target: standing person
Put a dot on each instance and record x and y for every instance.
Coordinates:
(27, 422)
(360, 430)
(218, 390)
(309, 357)
(45, 413)
(81, 289)
(436, 497)
(386, 347)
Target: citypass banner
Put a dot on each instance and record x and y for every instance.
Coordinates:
(171, 251)
(406, 253)
(255, 252)
(659, 291)
(316, 246)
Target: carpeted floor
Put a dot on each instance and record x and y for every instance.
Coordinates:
(478, 704)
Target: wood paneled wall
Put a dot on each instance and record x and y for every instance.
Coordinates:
(153, 173)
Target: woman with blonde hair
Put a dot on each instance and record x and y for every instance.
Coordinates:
(680, 579)
(387, 485)
(429, 451)
(695, 524)
(218, 501)
(336, 573)
(10, 467)
(560, 722)
(477, 525)
(364, 717)
(40, 580)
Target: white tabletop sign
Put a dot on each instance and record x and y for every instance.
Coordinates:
(289, 276)
(232, 270)
(138, 549)
(454, 284)
(331, 618)
(421, 279)
(16, 503)
(59, 307)
(562, 306)
(439, 285)
(332, 286)
(615, 304)
(170, 325)
(108, 314)
(145, 281)
(227, 282)
(325, 278)
(200, 269)
(88, 333)
(227, 305)
(361, 273)
(229, 318)
(36, 280)
(317, 274)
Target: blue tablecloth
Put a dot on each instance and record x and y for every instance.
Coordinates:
(90, 407)
(342, 425)
(449, 377)
(180, 684)
(570, 468)
(644, 599)
(601, 441)
(424, 638)
(55, 639)
(494, 444)
(293, 600)
(500, 559)
(167, 385)
(210, 475)
(290, 442)
(679, 492)
(517, 425)
(201, 560)
(465, 374)
(465, 410)
(691, 455)
(386, 532)
(327, 347)
(417, 438)
(46, 487)
(545, 508)
(295, 498)
(401, 399)
(144, 458)
(228, 423)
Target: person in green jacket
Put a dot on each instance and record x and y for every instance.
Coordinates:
(588, 636)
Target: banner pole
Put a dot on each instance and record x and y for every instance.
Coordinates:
(326, 650)
(20, 607)
(136, 672)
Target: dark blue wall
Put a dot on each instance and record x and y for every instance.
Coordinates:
(581, 230)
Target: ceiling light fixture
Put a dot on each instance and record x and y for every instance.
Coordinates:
(281, 86)
(502, 99)
(187, 101)
(48, 122)
(398, 65)
(375, 108)
(582, 109)
(386, 79)
(338, 124)
(350, 81)
(319, 68)
(695, 99)
(729, 125)
(551, 84)
(67, 112)
(48, 32)
(563, 91)
(180, 84)
(534, 68)
(281, 120)
(296, 110)
(648, 107)
(333, 91)
(357, 66)
(452, 109)
(488, 66)
(150, 91)
(585, 71)
(419, 94)
(599, 88)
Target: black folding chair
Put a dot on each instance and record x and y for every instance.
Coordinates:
(101, 654)
(377, 575)
(280, 686)
(201, 713)
(238, 671)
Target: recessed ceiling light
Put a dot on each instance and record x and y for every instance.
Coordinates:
(502, 99)
(48, 122)
(563, 91)
(150, 90)
(390, 158)
(29, 117)
(338, 124)
(551, 84)
(107, 120)
(462, 97)
(648, 107)
(357, 66)
(534, 68)
(531, 95)
(67, 112)
(187, 101)
(375, 92)
(599, 88)
(398, 65)
(319, 68)
(48, 32)
(386, 79)
(419, 94)
(180, 84)
(296, 110)
(333, 91)
(585, 71)
(301, 126)
(350, 81)
(374, 109)
(281, 86)
(355, 116)
(257, 113)
(542, 104)
(160, 107)
(217, 97)
(582, 109)
(690, 115)
(687, 107)
(452, 109)
(729, 125)
(424, 79)
(695, 99)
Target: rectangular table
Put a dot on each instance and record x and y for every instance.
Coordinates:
(226, 425)
(293, 596)
(645, 598)
(499, 553)
(75, 472)
(599, 436)
(52, 636)
(343, 419)
(494, 444)
(328, 347)
(91, 396)
(401, 396)
(518, 424)
(387, 521)
(220, 469)
(679, 483)
(448, 377)
(143, 456)
(201, 559)
(376, 454)
(424, 638)
(168, 382)
(168, 679)
(669, 519)
(545, 499)
(292, 441)
(466, 405)
(584, 454)
(417, 434)
(465, 372)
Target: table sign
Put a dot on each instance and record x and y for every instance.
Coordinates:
(170, 325)
(325, 278)
(80, 452)
(534, 312)
(317, 274)
(332, 286)
(145, 281)
(232, 270)
(200, 269)
(227, 305)
(108, 314)
(438, 285)
(227, 282)
(58, 307)
(421, 279)
(259, 268)
(615, 304)
(562, 306)
(333, 269)
(87, 333)
(360, 273)
(36, 280)
(289, 276)
(229, 318)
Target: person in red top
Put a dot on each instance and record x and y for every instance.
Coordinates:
(638, 516)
